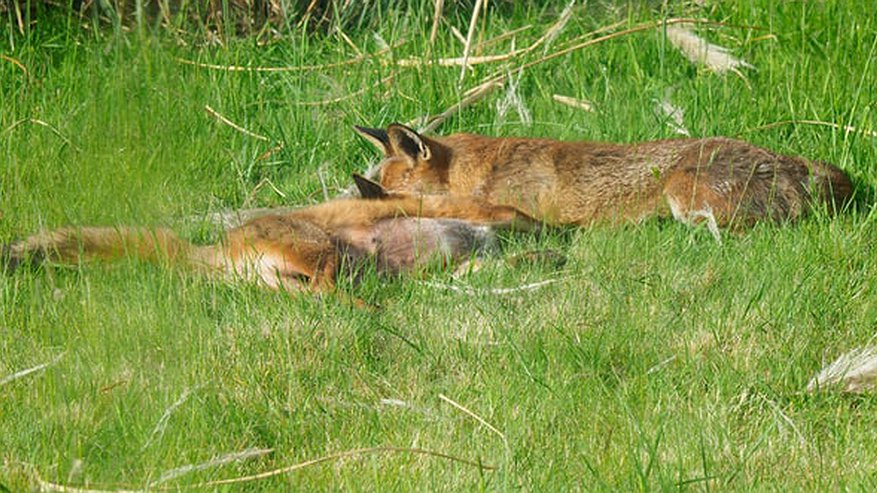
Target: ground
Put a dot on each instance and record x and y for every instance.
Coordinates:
(656, 359)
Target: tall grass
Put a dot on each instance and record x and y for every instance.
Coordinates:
(660, 360)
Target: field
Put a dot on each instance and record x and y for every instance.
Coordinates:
(655, 359)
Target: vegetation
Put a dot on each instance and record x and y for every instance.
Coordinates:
(657, 359)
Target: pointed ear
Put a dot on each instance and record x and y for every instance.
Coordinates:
(369, 189)
(405, 141)
(377, 136)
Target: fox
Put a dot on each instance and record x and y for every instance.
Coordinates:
(718, 180)
(303, 249)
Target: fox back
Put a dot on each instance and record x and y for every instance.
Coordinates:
(729, 180)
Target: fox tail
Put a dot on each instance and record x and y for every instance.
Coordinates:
(72, 246)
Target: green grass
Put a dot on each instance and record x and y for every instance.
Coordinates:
(661, 361)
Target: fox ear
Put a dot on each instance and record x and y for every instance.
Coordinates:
(377, 136)
(405, 141)
(369, 189)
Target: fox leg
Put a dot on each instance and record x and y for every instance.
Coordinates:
(693, 201)
(281, 252)
(471, 209)
(276, 267)
(293, 265)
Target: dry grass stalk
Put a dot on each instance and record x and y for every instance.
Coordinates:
(28, 371)
(495, 291)
(394, 403)
(660, 366)
(471, 96)
(854, 371)
(76, 468)
(264, 182)
(160, 426)
(475, 416)
(473, 21)
(487, 42)
(458, 35)
(398, 403)
(716, 58)
(603, 29)
(270, 152)
(555, 29)
(234, 125)
(460, 61)
(214, 462)
(165, 11)
(845, 128)
(503, 36)
(18, 17)
(436, 19)
(477, 47)
(16, 63)
(299, 68)
(41, 123)
(307, 13)
(348, 41)
(112, 386)
(766, 37)
(468, 61)
(320, 175)
(573, 102)
(386, 80)
(46, 486)
(565, 51)
(784, 418)
(513, 100)
(342, 455)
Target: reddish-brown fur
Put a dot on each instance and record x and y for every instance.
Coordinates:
(720, 180)
(302, 248)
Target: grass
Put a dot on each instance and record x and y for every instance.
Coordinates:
(661, 361)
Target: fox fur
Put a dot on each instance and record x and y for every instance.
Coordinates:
(722, 181)
(305, 249)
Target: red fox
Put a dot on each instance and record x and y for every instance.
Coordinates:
(304, 249)
(718, 180)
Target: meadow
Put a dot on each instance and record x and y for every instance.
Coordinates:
(655, 359)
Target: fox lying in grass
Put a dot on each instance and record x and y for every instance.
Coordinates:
(305, 249)
(722, 181)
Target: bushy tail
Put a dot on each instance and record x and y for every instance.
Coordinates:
(72, 246)
(299, 261)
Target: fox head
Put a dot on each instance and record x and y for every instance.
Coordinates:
(412, 163)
